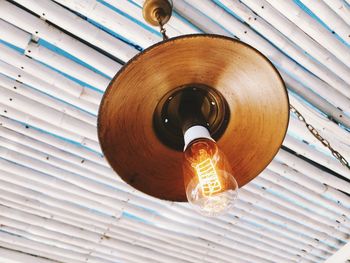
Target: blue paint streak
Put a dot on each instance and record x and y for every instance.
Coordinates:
(307, 102)
(229, 11)
(114, 34)
(63, 53)
(80, 82)
(175, 14)
(310, 13)
(53, 97)
(279, 195)
(136, 218)
(331, 198)
(138, 22)
(346, 3)
(243, 22)
(19, 50)
(318, 148)
(71, 57)
(215, 21)
(27, 126)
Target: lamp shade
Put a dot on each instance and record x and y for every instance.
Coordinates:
(246, 79)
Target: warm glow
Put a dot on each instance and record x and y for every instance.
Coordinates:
(208, 177)
(210, 186)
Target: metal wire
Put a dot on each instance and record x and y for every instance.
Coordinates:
(316, 134)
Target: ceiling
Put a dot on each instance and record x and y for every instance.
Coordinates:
(61, 202)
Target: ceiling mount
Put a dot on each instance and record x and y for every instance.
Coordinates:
(157, 12)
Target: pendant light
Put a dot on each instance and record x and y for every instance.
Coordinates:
(193, 118)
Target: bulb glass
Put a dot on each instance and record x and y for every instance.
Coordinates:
(210, 186)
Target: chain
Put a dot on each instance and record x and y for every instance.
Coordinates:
(161, 26)
(316, 134)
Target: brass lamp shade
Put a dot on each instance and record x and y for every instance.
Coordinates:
(253, 89)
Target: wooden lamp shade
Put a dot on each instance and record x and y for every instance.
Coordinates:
(253, 89)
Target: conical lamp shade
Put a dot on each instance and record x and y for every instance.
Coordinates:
(253, 89)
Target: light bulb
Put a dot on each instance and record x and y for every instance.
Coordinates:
(210, 186)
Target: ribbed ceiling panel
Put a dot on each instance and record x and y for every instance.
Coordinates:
(61, 202)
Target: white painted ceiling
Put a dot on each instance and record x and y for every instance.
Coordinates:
(61, 202)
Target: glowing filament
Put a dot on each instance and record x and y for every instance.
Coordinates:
(208, 177)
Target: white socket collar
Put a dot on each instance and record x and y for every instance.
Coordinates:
(196, 132)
